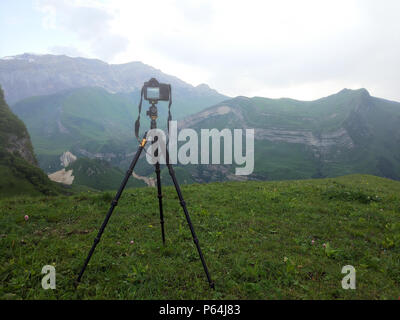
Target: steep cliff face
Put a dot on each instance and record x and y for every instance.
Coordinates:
(14, 137)
(18, 166)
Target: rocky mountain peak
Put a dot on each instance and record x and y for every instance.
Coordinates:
(361, 91)
(29, 75)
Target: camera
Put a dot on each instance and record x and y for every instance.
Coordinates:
(155, 91)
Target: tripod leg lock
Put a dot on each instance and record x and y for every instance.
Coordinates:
(183, 203)
(96, 240)
(114, 203)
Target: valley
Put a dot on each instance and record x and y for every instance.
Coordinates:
(344, 133)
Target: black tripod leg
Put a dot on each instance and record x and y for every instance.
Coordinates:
(113, 205)
(183, 204)
(157, 165)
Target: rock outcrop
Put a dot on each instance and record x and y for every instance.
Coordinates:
(67, 158)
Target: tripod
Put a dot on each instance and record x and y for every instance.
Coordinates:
(152, 113)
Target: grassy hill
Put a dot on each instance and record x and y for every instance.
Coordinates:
(345, 133)
(18, 166)
(18, 177)
(261, 240)
(14, 137)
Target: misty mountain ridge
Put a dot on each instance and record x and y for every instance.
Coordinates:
(347, 132)
(28, 75)
(88, 107)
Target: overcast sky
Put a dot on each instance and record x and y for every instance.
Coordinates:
(300, 49)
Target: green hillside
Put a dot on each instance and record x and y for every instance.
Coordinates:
(18, 170)
(92, 121)
(11, 125)
(345, 133)
(18, 177)
(348, 132)
(99, 175)
(261, 240)
(88, 118)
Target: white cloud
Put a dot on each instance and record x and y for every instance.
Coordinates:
(302, 49)
(70, 51)
(89, 20)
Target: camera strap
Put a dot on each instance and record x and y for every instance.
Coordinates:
(169, 108)
(137, 123)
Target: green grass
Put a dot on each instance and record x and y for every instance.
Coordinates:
(256, 238)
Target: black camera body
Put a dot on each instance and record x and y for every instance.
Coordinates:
(155, 91)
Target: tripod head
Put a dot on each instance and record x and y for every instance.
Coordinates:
(153, 114)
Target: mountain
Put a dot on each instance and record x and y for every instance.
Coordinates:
(91, 122)
(18, 165)
(88, 121)
(87, 106)
(28, 75)
(348, 132)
